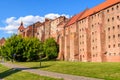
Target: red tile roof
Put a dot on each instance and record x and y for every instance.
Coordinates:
(98, 8)
(75, 18)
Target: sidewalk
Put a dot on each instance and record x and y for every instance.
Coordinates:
(47, 73)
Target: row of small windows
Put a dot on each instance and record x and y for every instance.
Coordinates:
(82, 56)
(113, 36)
(95, 55)
(82, 29)
(95, 15)
(94, 40)
(81, 49)
(118, 26)
(117, 6)
(82, 21)
(94, 32)
(94, 47)
(95, 24)
(113, 18)
(110, 54)
(81, 42)
(109, 46)
(81, 36)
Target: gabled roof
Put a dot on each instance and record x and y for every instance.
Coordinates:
(99, 7)
(21, 26)
(75, 18)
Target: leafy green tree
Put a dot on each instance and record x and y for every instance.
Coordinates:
(50, 48)
(33, 49)
(22, 49)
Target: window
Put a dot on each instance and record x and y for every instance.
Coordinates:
(82, 29)
(118, 35)
(109, 54)
(118, 26)
(108, 29)
(92, 26)
(92, 17)
(117, 6)
(82, 35)
(112, 18)
(114, 54)
(113, 36)
(113, 45)
(108, 37)
(108, 10)
(95, 23)
(119, 45)
(37, 33)
(83, 42)
(112, 8)
(83, 49)
(117, 17)
(98, 14)
(108, 20)
(93, 48)
(108, 46)
(96, 55)
(83, 56)
(92, 33)
(113, 27)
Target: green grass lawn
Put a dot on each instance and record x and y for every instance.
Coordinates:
(107, 71)
(10, 74)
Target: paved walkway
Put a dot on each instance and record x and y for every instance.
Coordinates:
(47, 73)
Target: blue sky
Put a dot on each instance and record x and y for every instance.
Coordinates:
(12, 12)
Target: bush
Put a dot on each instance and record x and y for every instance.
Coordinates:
(50, 48)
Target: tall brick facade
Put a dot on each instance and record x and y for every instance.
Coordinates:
(90, 36)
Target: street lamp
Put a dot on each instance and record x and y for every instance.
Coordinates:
(13, 57)
(40, 59)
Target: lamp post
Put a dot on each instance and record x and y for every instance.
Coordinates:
(13, 57)
(40, 60)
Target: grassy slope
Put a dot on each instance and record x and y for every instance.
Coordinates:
(107, 71)
(9, 74)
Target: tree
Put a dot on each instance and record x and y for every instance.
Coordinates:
(22, 49)
(50, 48)
(33, 49)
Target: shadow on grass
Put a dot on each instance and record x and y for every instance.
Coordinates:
(15, 70)
(8, 73)
(32, 68)
(40, 67)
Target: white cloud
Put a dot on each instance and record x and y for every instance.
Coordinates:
(13, 22)
(53, 16)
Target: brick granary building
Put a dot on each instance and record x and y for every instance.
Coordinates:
(90, 36)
